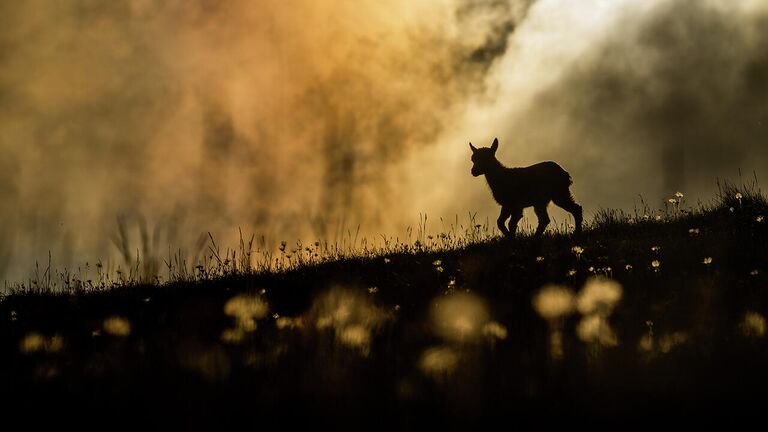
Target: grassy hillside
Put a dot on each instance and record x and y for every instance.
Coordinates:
(641, 317)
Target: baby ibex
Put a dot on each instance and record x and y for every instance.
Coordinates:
(518, 188)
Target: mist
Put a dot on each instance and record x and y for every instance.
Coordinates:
(160, 122)
(637, 99)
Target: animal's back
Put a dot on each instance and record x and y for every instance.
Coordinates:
(536, 183)
(547, 175)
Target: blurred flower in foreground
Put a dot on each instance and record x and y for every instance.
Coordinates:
(669, 341)
(356, 335)
(34, 342)
(117, 326)
(288, 323)
(245, 309)
(212, 363)
(495, 330)
(232, 335)
(553, 302)
(753, 325)
(666, 343)
(351, 315)
(459, 317)
(595, 328)
(596, 302)
(600, 295)
(439, 362)
(646, 342)
(244, 306)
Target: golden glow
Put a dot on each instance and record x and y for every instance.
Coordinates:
(295, 118)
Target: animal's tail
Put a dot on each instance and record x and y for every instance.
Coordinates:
(566, 178)
(558, 176)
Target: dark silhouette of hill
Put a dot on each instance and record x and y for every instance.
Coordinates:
(529, 331)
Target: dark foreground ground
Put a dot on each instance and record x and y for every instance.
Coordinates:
(393, 341)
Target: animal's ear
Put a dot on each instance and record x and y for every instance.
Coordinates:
(474, 149)
(495, 145)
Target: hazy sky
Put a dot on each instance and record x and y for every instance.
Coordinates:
(292, 118)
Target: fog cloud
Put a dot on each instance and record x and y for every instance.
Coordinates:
(637, 97)
(301, 118)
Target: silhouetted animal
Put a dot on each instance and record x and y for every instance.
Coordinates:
(518, 188)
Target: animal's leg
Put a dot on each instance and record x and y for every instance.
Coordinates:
(568, 204)
(541, 213)
(517, 214)
(503, 216)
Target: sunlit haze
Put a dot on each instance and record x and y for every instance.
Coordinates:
(305, 119)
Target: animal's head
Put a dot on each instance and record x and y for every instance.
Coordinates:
(483, 158)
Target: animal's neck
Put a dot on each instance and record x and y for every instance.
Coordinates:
(494, 173)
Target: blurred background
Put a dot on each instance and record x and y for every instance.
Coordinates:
(137, 122)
